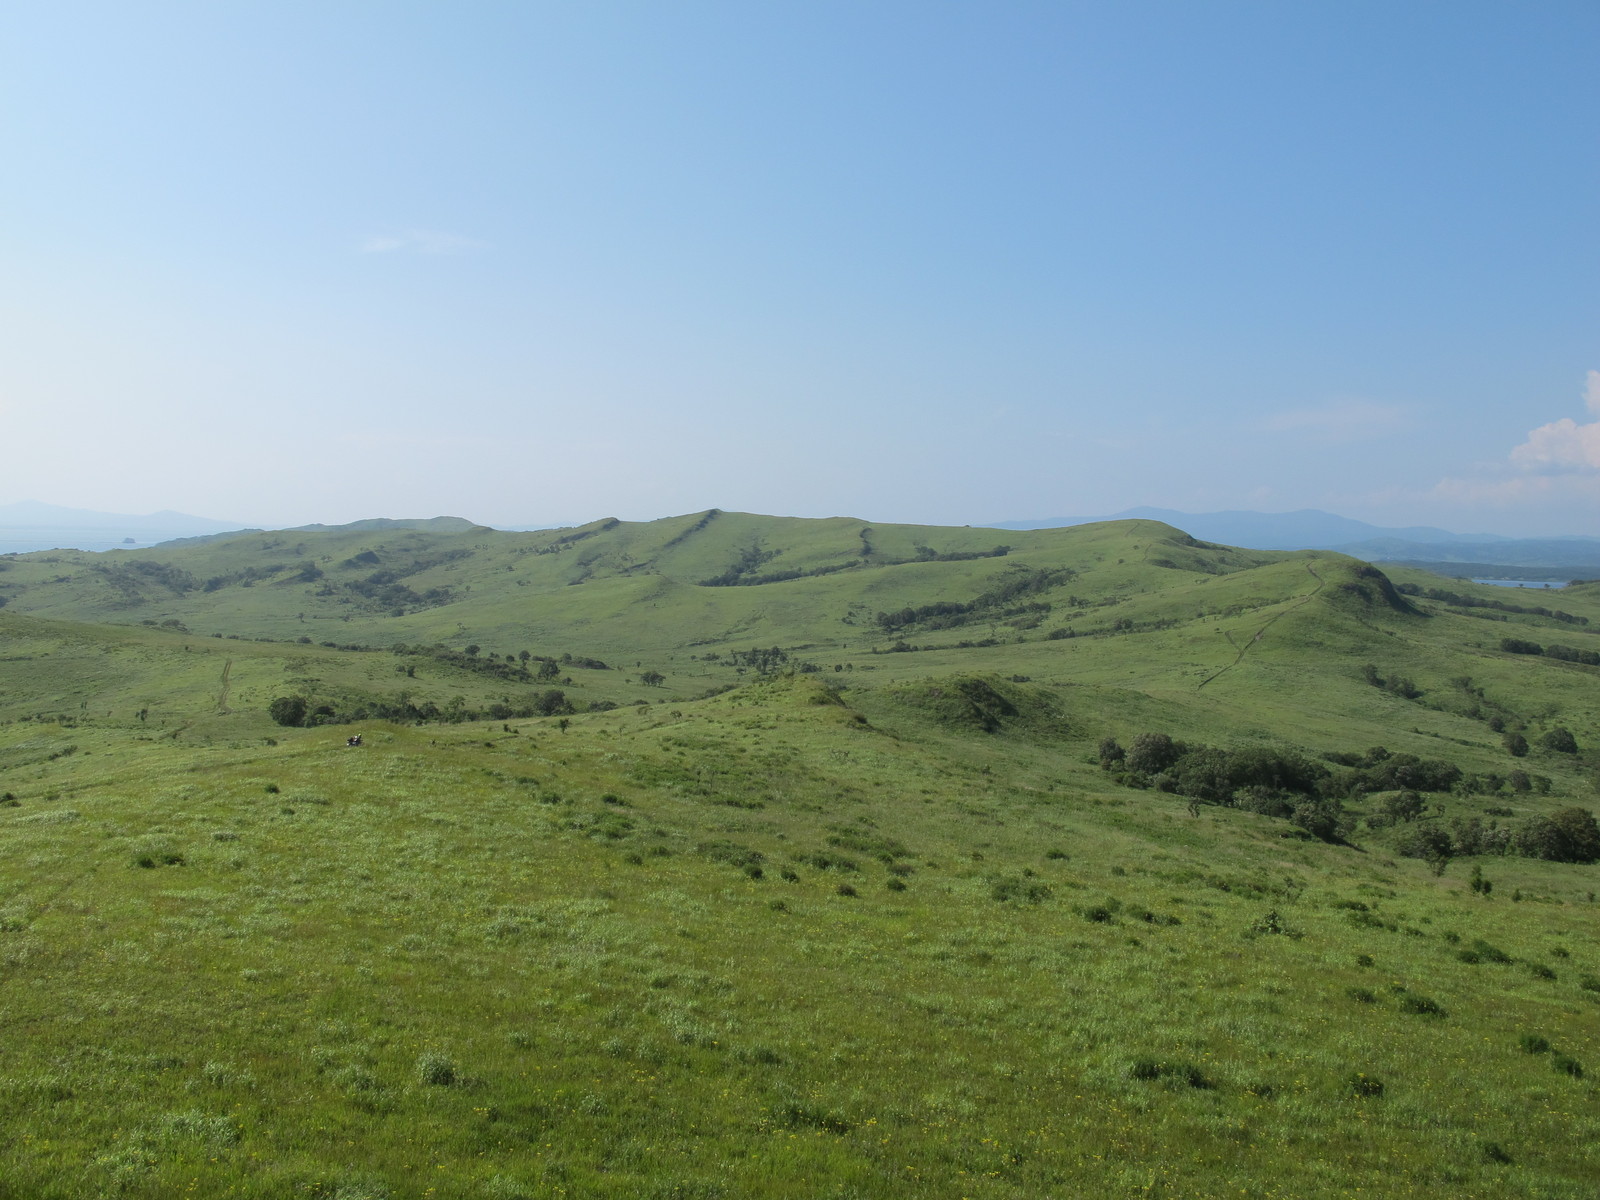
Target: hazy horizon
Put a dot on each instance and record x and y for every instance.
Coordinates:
(296, 263)
(108, 528)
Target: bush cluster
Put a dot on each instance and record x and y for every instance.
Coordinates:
(1566, 835)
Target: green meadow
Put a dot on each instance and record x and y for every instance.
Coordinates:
(731, 855)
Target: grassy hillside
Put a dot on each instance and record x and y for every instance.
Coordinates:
(900, 924)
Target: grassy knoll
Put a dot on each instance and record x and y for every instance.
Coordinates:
(886, 927)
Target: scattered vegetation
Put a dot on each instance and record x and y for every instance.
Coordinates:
(753, 910)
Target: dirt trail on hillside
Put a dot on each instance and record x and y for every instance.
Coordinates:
(222, 696)
(1260, 633)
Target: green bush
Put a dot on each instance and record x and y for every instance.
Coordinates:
(1419, 1005)
(1148, 1070)
(1362, 1084)
(436, 1070)
(1567, 1065)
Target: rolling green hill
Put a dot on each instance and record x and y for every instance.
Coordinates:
(731, 855)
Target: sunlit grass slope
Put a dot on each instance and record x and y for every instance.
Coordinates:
(761, 944)
(875, 924)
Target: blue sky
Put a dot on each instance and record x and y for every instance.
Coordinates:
(948, 263)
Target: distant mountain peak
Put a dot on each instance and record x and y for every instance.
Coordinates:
(430, 524)
(1306, 528)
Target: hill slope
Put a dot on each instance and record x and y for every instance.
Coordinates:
(917, 902)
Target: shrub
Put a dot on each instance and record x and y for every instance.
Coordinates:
(149, 855)
(288, 710)
(1566, 835)
(1490, 953)
(436, 1070)
(1152, 753)
(1567, 1065)
(1272, 923)
(1533, 1043)
(1148, 1070)
(1425, 841)
(1361, 995)
(1362, 1084)
(1418, 1005)
(1319, 818)
(1011, 887)
(1405, 805)
(1520, 646)
(1560, 740)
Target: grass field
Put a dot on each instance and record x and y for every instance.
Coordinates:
(884, 927)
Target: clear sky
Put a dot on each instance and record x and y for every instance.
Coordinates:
(539, 263)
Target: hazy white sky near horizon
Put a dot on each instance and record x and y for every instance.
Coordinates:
(537, 263)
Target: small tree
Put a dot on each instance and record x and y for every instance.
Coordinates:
(1566, 835)
(288, 710)
(652, 678)
(1560, 739)
(1152, 753)
(1516, 745)
(1403, 806)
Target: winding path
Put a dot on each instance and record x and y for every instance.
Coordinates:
(1245, 649)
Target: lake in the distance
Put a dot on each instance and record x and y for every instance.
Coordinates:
(1541, 584)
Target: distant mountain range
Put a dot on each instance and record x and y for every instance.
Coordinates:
(1461, 554)
(29, 525)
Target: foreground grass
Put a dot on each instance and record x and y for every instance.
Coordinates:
(762, 944)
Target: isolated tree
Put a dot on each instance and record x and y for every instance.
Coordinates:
(1403, 806)
(1318, 817)
(652, 678)
(548, 669)
(551, 703)
(1516, 745)
(1560, 739)
(288, 710)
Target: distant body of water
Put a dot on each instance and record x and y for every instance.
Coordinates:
(1525, 583)
(27, 541)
